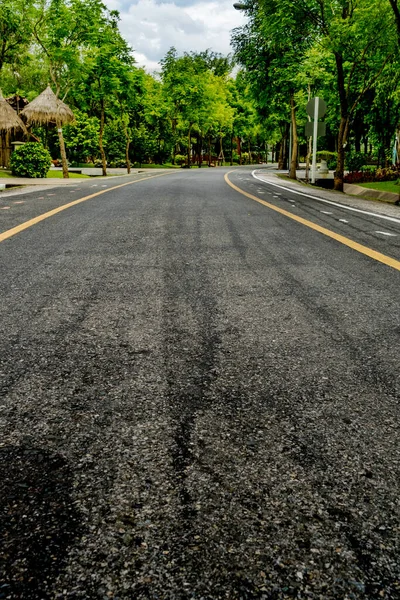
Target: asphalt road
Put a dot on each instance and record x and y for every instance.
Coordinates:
(199, 396)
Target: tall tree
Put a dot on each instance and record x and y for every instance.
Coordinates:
(62, 30)
(106, 76)
(15, 29)
(358, 34)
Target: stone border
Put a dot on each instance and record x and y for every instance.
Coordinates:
(358, 190)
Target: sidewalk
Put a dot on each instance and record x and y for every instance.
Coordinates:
(25, 186)
(269, 175)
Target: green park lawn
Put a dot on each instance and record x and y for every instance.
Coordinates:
(383, 186)
(59, 175)
(50, 174)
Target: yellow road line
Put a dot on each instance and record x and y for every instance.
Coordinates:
(386, 260)
(10, 232)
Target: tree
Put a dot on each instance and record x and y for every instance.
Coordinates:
(106, 77)
(194, 87)
(358, 35)
(62, 29)
(15, 29)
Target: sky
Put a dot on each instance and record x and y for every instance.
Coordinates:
(151, 27)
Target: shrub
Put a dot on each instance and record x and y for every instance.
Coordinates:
(355, 161)
(330, 157)
(355, 177)
(118, 164)
(367, 175)
(180, 159)
(30, 160)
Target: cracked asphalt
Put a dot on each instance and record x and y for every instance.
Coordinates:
(199, 397)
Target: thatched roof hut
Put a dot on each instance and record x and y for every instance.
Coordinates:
(47, 108)
(17, 102)
(9, 120)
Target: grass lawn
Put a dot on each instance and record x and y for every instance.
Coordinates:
(50, 174)
(59, 175)
(383, 186)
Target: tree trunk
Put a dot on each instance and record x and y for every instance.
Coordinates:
(344, 123)
(128, 162)
(209, 150)
(221, 152)
(231, 148)
(295, 140)
(200, 150)
(282, 162)
(62, 152)
(128, 143)
(101, 133)
(339, 173)
(281, 156)
(188, 147)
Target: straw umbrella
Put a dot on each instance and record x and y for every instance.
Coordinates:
(47, 108)
(9, 121)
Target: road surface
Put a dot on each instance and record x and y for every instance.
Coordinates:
(199, 394)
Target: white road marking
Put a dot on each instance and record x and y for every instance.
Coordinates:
(386, 233)
(325, 212)
(19, 202)
(5, 207)
(344, 206)
(343, 221)
(51, 194)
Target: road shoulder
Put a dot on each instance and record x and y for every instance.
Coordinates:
(372, 205)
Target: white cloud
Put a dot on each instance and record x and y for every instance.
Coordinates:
(152, 26)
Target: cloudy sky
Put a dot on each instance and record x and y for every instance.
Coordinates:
(153, 26)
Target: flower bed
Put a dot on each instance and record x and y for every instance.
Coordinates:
(368, 175)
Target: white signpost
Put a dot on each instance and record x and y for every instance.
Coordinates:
(316, 108)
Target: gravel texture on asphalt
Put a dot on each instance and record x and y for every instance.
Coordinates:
(199, 400)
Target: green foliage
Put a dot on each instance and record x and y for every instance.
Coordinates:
(355, 161)
(30, 160)
(345, 52)
(330, 157)
(82, 138)
(15, 30)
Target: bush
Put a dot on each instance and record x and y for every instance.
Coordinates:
(117, 164)
(355, 177)
(367, 175)
(30, 160)
(355, 161)
(330, 157)
(180, 159)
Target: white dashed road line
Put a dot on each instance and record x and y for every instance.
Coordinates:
(343, 206)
